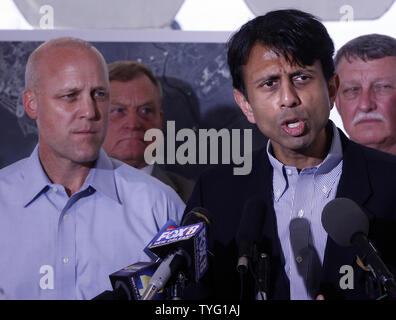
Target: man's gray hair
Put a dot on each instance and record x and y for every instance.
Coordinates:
(367, 47)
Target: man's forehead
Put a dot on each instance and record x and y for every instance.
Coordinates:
(140, 86)
(385, 65)
(267, 53)
(69, 53)
(67, 59)
(350, 60)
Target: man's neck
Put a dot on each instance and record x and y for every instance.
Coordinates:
(69, 174)
(136, 163)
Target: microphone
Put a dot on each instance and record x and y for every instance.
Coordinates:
(130, 282)
(182, 249)
(248, 238)
(169, 225)
(347, 225)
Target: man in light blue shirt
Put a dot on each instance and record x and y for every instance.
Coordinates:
(298, 197)
(69, 214)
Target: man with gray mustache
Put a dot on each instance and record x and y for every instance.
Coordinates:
(366, 99)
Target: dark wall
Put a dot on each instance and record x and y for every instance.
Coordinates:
(195, 77)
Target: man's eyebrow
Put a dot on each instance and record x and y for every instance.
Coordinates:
(117, 103)
(68, 89)
(302, 71)
(276, 76)
(267, 77)
(384, 78)
(78, 89)
(100, 88)
(149, 102)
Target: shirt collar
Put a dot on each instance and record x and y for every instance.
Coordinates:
(34, 177)
(101, 178)
(147, 169)
(335, 153)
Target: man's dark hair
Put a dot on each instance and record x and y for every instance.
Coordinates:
(367, 47)
(299, 36)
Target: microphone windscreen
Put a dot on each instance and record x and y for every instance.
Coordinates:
(196, 215)
(342, 218)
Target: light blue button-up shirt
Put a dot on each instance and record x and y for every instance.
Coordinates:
(299, 199)
(53, 246)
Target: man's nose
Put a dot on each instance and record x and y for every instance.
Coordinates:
(367, 100)
(132, 120)
(288, 96)
(88, 108)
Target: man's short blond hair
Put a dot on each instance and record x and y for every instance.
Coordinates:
(32, 72)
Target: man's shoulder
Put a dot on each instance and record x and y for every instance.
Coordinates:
(174, 177)
(180, 184)
(375, 158)
(13, 170)
(135, 186)
(362, 164)
(130, 178)
(131, 175)
(380, 156)
(178, 178)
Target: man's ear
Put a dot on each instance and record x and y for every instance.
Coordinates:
(243, 103)
(30, 103)
(162, 119)
(337, 104)
(333, 85)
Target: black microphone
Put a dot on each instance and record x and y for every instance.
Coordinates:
(182, 249)
(347, 225)
(248, 238)
(118, 294)
(130, 282)
(250, 230)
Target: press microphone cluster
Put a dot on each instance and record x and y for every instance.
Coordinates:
(174, 250)
(130, 282)
(182, 249)
(347, 225)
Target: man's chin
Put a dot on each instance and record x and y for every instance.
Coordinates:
(369, 137)
(297, 143)
(129, 147)
(86, 157)
(127, 157)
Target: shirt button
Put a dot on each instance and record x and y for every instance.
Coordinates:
(299, 259)
(289, 172)
(65, 217)
(55, 189)
(301, 213)
(65, 260)
(324, 189)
